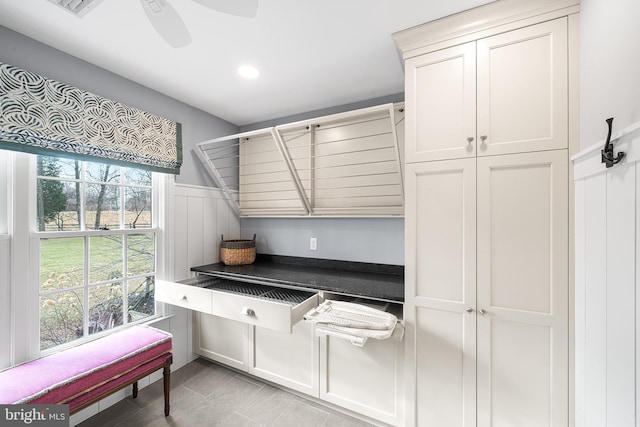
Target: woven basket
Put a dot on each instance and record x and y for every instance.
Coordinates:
(238, 252)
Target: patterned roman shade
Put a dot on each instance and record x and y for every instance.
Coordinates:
(43, 116)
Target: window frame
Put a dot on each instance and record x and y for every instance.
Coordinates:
(26, 258)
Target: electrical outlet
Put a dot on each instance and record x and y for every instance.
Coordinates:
(313, 244)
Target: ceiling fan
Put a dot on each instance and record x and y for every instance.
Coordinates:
(168, 23)
(164, 17)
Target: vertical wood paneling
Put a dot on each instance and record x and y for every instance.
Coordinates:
(200, 217)
(181, 237)
(194, 231)
(620, 300)
(5, 302)
(595, 301)
(637, 297)
(580, 300)
(210, 230)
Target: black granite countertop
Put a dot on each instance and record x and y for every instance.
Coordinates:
(376, 281)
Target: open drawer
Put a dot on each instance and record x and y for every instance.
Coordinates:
(269, 307)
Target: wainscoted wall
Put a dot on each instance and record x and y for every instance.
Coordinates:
(200, 217)
(5, 300)
(607, 305)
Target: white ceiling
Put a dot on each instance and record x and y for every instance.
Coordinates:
(312, 54)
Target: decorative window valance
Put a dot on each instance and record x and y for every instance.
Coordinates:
(43, 116)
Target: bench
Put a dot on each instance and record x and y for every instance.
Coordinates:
(82, 375)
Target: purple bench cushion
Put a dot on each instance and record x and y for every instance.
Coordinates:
(60, 377)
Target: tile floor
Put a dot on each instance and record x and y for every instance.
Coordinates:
(207, 394)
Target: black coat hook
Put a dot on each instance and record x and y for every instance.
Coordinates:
(607, 152)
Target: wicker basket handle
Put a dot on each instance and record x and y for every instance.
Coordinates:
(222, 237)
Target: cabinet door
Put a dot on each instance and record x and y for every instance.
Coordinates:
(523, 289)
(223, 340)
(441, 104)
(522, 90)
(286, 359)
(440, 296)
(367, 379)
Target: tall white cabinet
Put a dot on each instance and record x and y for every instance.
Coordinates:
(487, 216)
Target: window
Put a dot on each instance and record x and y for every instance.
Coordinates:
(97, 248)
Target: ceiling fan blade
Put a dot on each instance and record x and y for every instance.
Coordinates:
(246, 8)
(167, 22)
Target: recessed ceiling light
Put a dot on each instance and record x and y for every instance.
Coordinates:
(248, 72)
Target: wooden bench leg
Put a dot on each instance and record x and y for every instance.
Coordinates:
(166, 375)
(135, 389)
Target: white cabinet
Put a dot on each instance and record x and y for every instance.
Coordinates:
(265, 306)
(501, 94)
(440, 276)
(522, 90)
(487, 290)
(290, 360)
(440, 93)
(487, 224)
(522, 286)
(222, 340)
(368, 380)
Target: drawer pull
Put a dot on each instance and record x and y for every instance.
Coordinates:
(182, 296)
(248, 311)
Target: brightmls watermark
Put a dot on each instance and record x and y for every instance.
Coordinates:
(34, 415)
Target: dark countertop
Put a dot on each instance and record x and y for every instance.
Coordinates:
(375, 281)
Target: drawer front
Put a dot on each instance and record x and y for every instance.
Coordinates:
(186, 296)
(264, 313)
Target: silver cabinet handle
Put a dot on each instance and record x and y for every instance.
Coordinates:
(248, 311)
(470, 139)
(469, 310)
(483, 138)
(482, 311)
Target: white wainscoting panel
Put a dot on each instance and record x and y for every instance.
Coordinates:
(607, 303)
(5, 301)
(200, 216)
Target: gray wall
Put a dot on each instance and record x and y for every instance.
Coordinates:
(377, 240)
(609, 67)
(197, 126)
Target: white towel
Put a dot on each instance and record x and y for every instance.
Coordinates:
(348, 316)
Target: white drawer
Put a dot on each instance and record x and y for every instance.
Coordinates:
(265, 306)
(184, 295)
(260, 305)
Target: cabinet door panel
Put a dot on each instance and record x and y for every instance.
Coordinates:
(440, 288)
(443, 241)
(522, 90)
(367, 379)
(287, 359)
(444, 368)
(440, 100)
(521, 375)
(523, 289)
(222, 340)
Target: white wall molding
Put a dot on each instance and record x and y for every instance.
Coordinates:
(606, 302)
